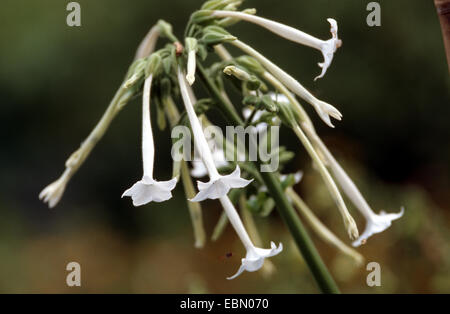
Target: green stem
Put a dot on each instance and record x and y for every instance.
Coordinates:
(320, 272)
(195, 209)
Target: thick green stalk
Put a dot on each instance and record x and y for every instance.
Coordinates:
(321, 274)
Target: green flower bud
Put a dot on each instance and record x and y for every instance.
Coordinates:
(229, 21)
(251, 64)
(136, 72)
(268, 104)
(166, 30)
(202, 52)
(154, 65)
(237, 72)
(219, 4)
(202, 16)
(286, 115)
(215, 35)
(190, 44)
(252, 82)
(251, 100)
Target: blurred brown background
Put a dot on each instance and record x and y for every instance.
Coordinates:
(390, 82)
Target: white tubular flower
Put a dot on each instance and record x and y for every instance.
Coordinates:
(323, 109)
(218, 185)
(148, 189)
(376, 223)
(254, 259)
(54, 191)
(327, 47)
(191, 48)
(190, 77)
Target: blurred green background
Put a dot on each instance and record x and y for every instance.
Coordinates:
(391, 83)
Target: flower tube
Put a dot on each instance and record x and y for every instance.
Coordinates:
(148, 189)
(327, 47)
(218, 188)
(218, 185)
(376, 223)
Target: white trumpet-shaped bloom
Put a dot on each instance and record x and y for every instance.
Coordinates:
(254, 258)
(191, 67)
(219, 186)
(149, 190)
(323, 109)
(327, 47)
(375, 223)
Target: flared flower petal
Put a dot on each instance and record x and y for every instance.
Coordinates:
(219, 187)
(255, 257)
(53, 192)
(376, 224)
(329, 47)
(148, 190)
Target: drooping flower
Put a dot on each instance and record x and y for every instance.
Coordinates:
(219, 186)
(254, 258)
(375, 223)
(327, 47)
(147, 189)
(323, 109)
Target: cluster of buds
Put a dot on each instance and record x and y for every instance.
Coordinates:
(168, 75)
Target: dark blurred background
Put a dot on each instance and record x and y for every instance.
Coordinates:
(391, 83)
